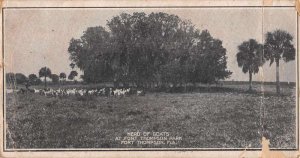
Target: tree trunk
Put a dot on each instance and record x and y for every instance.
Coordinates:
(45, 83)
(250, 81)
(277, 78)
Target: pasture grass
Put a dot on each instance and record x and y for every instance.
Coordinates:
(226, 119)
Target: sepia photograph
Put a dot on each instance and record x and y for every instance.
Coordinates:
(196, 78)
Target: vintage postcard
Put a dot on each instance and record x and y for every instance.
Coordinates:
(150, 79)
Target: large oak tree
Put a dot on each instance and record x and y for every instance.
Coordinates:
(137, 48)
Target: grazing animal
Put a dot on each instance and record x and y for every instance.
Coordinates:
(80, 92)
(71, 91)
(9, 90)
(30, 90)
(111, 92)
(49, 92)
(101, 92)
(92, 92)
(140, 93)
(36, 90)
(121, 92)
(22, 91)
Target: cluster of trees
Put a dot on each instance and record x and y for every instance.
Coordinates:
(252, 55)
(19, 78)
(146, 50)
(44, 73)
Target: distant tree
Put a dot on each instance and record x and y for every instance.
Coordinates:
(32, 79)
(10, 78)
(38, 81)
(55, 78)
(62, 76)
(72, 75)
(250, 58)
(21, 78)
(45, 72)
(81, 76)
(72, 65)
(278, 45)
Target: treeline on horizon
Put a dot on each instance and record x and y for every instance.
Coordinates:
(44, 72)
(160, 49)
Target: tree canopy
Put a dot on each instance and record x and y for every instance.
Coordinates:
(45, 72)
(33, 79)
(139, 49)
(21, 78)
(278, 45)
(55, 78)
(62, 75)
(10, 78)
(72, 75)
(250, 58)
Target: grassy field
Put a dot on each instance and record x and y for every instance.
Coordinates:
(204, 119)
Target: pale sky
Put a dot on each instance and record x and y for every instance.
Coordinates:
(34, 38)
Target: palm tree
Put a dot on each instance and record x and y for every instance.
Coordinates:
(45, 72)
(62, 76)
(250, 58)
(278, 45)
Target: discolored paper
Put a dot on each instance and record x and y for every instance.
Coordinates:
(149, 78)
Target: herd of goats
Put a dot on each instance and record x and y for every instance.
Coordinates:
(80, 92)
